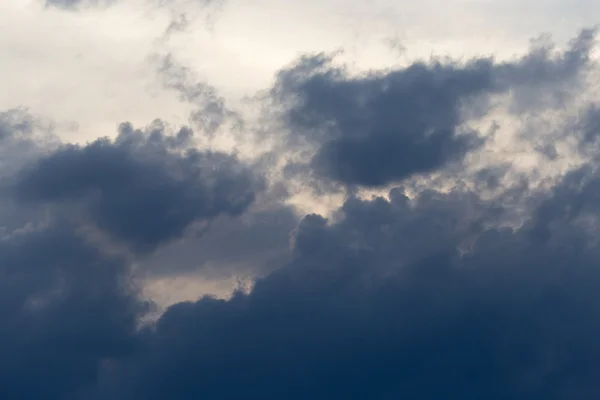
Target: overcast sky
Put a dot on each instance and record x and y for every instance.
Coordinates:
(226, 199)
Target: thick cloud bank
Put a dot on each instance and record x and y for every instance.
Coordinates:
(380, 305)
(421, 293)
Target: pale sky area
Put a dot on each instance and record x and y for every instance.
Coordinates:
(92, 68)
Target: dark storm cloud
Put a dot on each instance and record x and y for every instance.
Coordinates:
(143, 188)
(381, 305)
(378, 128)
(65, 309)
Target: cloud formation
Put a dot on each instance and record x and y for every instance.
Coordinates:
(66, 309)
(382, 127)
(144, 187)
(421, 293)
(371, 307)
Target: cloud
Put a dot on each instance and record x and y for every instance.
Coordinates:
(382, 127)
(69, 307)
(66, 308)
(381, 304)
(423, 293)
(77, 4)
(143, 188)
(210, 111)
(22, 136)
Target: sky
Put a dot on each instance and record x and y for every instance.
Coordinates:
(226, 199)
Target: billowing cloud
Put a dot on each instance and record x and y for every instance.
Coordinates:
(143, 187)
(379, 128)
(69, 305)
(421, 293)
(66, 309)
(381, 304)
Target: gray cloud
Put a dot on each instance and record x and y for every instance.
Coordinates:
(66, 308)
(381, 304)
(145, 187)
(382, 127)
